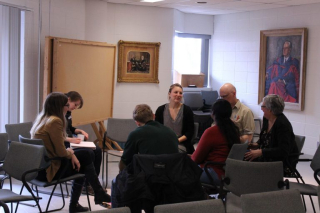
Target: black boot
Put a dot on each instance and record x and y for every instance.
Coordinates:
(100, 196)
(75, 194)
(77, 208)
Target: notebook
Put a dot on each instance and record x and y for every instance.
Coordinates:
(83, 144)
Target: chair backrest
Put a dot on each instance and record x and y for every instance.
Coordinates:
(237, 151)
(114, 210)
(21, 158)
(300, 142)
(203, 206)
(284, 201)
(38, 142)
(243, 177)
(14, 130)
(118, 129)
(193, 100)
(315, 163)
(176, 177)
(3, 145)
(209, 97)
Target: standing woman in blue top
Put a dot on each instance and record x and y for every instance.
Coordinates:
(178, 117)
(76, 102)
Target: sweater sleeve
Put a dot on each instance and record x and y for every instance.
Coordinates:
(203, 148)
(55, 131)
(159, 114)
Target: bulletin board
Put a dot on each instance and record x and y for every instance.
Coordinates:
(86, 67)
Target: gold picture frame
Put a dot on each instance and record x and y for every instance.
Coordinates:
(283, 58)
(138, 62)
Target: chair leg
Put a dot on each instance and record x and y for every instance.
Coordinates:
(304, 203)
(62, 196)
(86, 184)
(314, 210)
(25, 204)
(102, 174)
(68, 195)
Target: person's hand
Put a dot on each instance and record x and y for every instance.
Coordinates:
(86, 135)
(75, 163)
(252, 154)
(74, 140)
(253, 145)
(70, 150)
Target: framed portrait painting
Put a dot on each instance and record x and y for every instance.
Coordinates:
(138, 62)
(283, 57)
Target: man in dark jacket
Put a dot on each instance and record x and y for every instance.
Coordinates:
(132, 187)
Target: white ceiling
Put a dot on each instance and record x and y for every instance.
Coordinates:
(216, 7)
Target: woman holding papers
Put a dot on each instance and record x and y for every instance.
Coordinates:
(75, 101)
(216, 141)
(178, 117)
(50, 126)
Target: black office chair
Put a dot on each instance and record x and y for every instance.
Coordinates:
(209, 97)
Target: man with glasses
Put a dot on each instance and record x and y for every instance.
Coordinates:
(241, 114)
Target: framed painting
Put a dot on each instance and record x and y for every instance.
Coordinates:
(283, 57)
(138, 62)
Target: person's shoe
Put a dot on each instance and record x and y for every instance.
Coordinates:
(90, 190)
(101, 197)
(77, 208)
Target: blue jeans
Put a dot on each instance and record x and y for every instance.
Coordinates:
(204, 178)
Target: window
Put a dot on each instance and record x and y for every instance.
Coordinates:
(11, 41)
(191, 54)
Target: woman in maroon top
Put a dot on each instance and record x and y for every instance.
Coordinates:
(217, 141)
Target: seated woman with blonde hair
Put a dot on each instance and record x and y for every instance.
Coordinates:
(178, 117)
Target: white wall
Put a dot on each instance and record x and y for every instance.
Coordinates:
(235, 59)
(134, 23)
(113, 22)
(107, 22)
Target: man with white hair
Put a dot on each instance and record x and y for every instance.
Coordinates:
(241, 114)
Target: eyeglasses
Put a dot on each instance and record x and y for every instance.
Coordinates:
(67, 105)
(263, 106)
